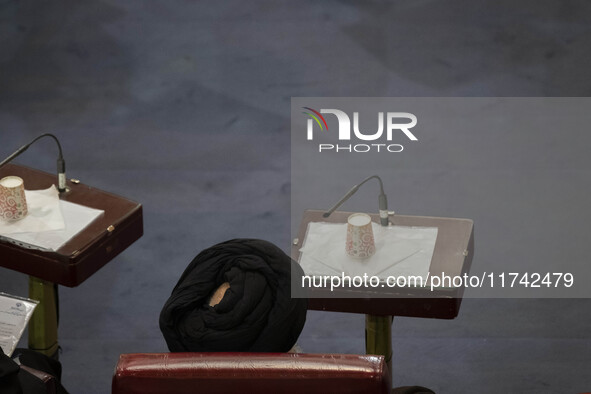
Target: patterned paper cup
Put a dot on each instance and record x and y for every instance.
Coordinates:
(13, 204)
(360, 242)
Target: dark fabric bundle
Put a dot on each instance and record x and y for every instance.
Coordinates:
(257, 312)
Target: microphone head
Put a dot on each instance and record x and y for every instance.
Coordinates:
(325, 214)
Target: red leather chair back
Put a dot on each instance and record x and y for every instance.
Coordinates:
(44, 382)
(180, 373)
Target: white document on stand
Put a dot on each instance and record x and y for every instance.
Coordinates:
(51, 222)
(400, 251)
(15, 313)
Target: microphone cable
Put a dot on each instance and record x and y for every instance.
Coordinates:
(61, 164)
(382, 200)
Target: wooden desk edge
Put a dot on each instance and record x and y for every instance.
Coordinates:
(71, 264)
(445, 304)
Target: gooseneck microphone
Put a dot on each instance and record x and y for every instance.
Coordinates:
(382, 200)
(61, 164)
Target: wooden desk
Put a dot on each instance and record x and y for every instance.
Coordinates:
(75, 261)
(452, 255)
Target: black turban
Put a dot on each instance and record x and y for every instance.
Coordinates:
(256, 314)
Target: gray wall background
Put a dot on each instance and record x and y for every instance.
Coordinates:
(185, 107)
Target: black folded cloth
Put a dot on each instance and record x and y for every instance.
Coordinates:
(256, 314)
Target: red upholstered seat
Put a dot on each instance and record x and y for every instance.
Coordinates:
(179, 373)
(44, 380)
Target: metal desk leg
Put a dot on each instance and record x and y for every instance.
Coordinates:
(378, 337)
(43, 323)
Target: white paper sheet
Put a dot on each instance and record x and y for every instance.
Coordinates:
(400, 250)
(15, 313)
(44, 214)
(45, 231)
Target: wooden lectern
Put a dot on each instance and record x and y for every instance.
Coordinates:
(78, 259)
(452, 255)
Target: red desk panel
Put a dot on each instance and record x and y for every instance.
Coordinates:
(88, 251)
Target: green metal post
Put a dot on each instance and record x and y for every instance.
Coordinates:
(43, 323)
(378, 337)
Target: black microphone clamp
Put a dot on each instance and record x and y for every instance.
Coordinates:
(382, 201)
(61, 164)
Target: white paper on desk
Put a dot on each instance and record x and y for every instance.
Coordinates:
(400, 251)
(44, 214)
(75, 218)
(15, 313)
